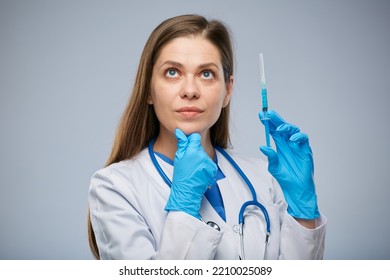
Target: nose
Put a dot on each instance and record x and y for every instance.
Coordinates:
(190, 89)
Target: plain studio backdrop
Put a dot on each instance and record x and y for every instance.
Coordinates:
(67, 69)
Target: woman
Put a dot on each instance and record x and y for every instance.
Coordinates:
(168, 192)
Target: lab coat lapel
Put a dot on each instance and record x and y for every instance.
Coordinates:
(233, 190)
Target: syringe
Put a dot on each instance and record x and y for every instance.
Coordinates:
(264, 101)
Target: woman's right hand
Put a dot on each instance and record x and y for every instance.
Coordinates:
(193, 173)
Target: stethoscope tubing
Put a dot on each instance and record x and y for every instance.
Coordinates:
(252, 190)
(156, 164)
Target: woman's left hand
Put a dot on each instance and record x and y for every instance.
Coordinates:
(292, 166)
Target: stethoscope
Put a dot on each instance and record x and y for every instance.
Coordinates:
(241, 215)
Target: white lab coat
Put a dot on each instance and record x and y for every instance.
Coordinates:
(127, 201)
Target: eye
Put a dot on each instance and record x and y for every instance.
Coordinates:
(208, 75)
(171, 73)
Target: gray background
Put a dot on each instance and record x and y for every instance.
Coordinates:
(67, 67)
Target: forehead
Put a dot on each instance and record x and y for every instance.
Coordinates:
(194, 49)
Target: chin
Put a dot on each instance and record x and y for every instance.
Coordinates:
(191, 129)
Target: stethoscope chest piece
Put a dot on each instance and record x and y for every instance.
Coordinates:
(213, 225)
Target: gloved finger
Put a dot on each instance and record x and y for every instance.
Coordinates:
(182, 142)
(194, 140)
(286, 130)
(301, 140)
(194, 143)
(299, 137)
(261, 116)
(273, 160)
(274, 119)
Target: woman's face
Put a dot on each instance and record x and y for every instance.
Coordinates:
(188, 89)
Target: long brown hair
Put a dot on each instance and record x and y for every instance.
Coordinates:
(139, 123)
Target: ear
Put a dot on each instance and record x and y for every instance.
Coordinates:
(229, 90)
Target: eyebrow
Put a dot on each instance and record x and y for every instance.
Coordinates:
(179, 65)
(205, 65)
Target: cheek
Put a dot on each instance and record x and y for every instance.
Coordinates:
(216, 104)
(218, 100)
(160, 94)
(162, 100)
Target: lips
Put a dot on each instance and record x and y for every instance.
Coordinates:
(189, 111)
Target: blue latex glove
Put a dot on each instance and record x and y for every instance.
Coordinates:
(193, 172)
(292, 166)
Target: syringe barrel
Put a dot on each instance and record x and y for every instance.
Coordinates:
(264, 100)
